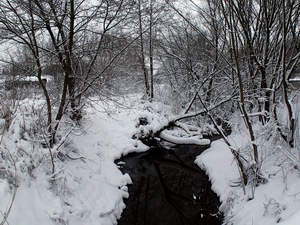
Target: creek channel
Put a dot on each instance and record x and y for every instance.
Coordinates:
(168, 188)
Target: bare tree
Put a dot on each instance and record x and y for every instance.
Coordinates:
(150, 16)
(253, 43)
(58, 29)
(18, 24)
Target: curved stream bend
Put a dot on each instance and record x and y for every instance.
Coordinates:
(169, 189)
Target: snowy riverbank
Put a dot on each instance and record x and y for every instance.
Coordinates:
(276, 202)
(88, 188)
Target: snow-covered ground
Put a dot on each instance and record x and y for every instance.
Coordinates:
(275, 202)
(88, 188)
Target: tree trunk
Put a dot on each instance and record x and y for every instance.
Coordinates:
(36, 52)
(146, 81)
(151, 52)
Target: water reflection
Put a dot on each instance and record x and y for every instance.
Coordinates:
(168, 189)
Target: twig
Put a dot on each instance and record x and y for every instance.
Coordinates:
(6, 214)
(233, 151)
(51, 155)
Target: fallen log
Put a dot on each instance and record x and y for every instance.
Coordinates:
(150, 127)
(194, 140)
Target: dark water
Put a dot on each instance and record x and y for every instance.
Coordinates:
(168, 189)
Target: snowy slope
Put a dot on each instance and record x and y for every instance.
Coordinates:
(89, 188)
(276, 202)
(97, 186)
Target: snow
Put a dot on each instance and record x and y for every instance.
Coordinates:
(184, 140)
(33, 78)
(294, 219)
(89, 188)
(295, 79)
(276, 202)
(97, 196)
(221, 174)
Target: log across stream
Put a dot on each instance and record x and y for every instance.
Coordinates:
(168, 188)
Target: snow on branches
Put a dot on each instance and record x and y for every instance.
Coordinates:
(153, 127)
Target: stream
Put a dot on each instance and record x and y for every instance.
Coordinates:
(168, 188)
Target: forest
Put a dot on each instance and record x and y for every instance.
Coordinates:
(202, 61)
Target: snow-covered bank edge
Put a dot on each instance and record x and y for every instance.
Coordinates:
(276, 202)
(89, 188)
(86, 188)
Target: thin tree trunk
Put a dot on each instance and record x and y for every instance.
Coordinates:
(248, 124)
(151, 52)
(36, 53)
(146, 81)
(284, 79)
